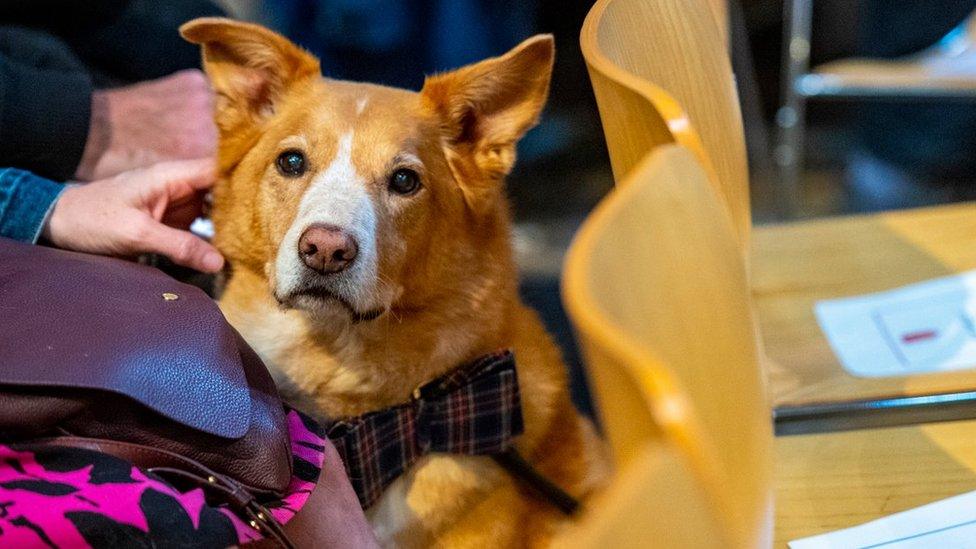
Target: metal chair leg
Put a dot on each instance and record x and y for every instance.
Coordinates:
(790, 116)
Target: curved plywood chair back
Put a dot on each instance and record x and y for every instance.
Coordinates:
(661, 74)
(656, 501)
(720, 10)
(656, 288)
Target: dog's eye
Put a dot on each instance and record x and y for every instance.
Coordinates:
(291, 163)
(404, 181)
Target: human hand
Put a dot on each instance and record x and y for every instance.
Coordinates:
(137, 126)
(140, 211)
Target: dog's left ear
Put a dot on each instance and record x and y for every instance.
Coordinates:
(485, 108)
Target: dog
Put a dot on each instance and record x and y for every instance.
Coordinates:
(368, 238)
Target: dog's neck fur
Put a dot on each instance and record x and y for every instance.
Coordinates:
(349, 368)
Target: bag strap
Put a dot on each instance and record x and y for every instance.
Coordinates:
(169, 464)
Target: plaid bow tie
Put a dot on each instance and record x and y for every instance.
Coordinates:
(473, 410)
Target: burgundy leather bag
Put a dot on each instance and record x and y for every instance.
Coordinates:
(115, 356)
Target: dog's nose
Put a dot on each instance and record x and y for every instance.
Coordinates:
(327, 248)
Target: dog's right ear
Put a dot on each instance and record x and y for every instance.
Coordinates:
(250, 68)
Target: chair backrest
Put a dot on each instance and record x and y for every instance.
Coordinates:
(657, 501)
(656, 288)
(720, 9)
(661, 74)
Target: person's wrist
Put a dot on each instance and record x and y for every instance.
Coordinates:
(51, 230)
(99, 136)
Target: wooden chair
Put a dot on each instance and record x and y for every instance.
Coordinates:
(720, 10)
(653, 90)
(656, 288)
(637, 49)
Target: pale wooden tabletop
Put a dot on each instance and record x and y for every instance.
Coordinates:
(831, 481)
(796, 264)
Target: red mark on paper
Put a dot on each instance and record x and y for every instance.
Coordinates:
(915, 337)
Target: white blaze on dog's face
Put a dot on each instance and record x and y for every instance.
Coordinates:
(355, 199)
(337, 206)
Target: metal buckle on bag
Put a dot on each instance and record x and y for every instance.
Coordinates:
(238, 498)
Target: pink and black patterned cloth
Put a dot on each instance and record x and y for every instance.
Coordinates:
(69, 497)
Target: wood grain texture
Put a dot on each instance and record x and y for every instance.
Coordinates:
(720, 10)
(833, 481)
(661, 74)
(797, 264)
(655, 285)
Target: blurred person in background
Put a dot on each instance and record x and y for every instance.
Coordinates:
(91, 89)
(97, 91)
(916, 152)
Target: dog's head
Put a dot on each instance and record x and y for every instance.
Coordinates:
(353, 198)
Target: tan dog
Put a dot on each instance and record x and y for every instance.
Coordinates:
(368, 236)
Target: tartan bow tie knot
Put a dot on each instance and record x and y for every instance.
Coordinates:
(472, 410)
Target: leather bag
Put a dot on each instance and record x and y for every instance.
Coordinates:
(115, 356)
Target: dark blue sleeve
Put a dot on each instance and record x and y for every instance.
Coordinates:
(26, 201)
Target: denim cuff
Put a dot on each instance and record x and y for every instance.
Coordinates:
(26, 202)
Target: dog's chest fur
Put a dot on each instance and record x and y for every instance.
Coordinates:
(306, 374)
(428, 497)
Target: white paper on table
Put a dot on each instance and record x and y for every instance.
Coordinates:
(925, 327)
(949, 523)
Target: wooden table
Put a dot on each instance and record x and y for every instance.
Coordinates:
(796, 264)
(831, 481)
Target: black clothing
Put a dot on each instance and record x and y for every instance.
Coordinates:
(54, 52)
